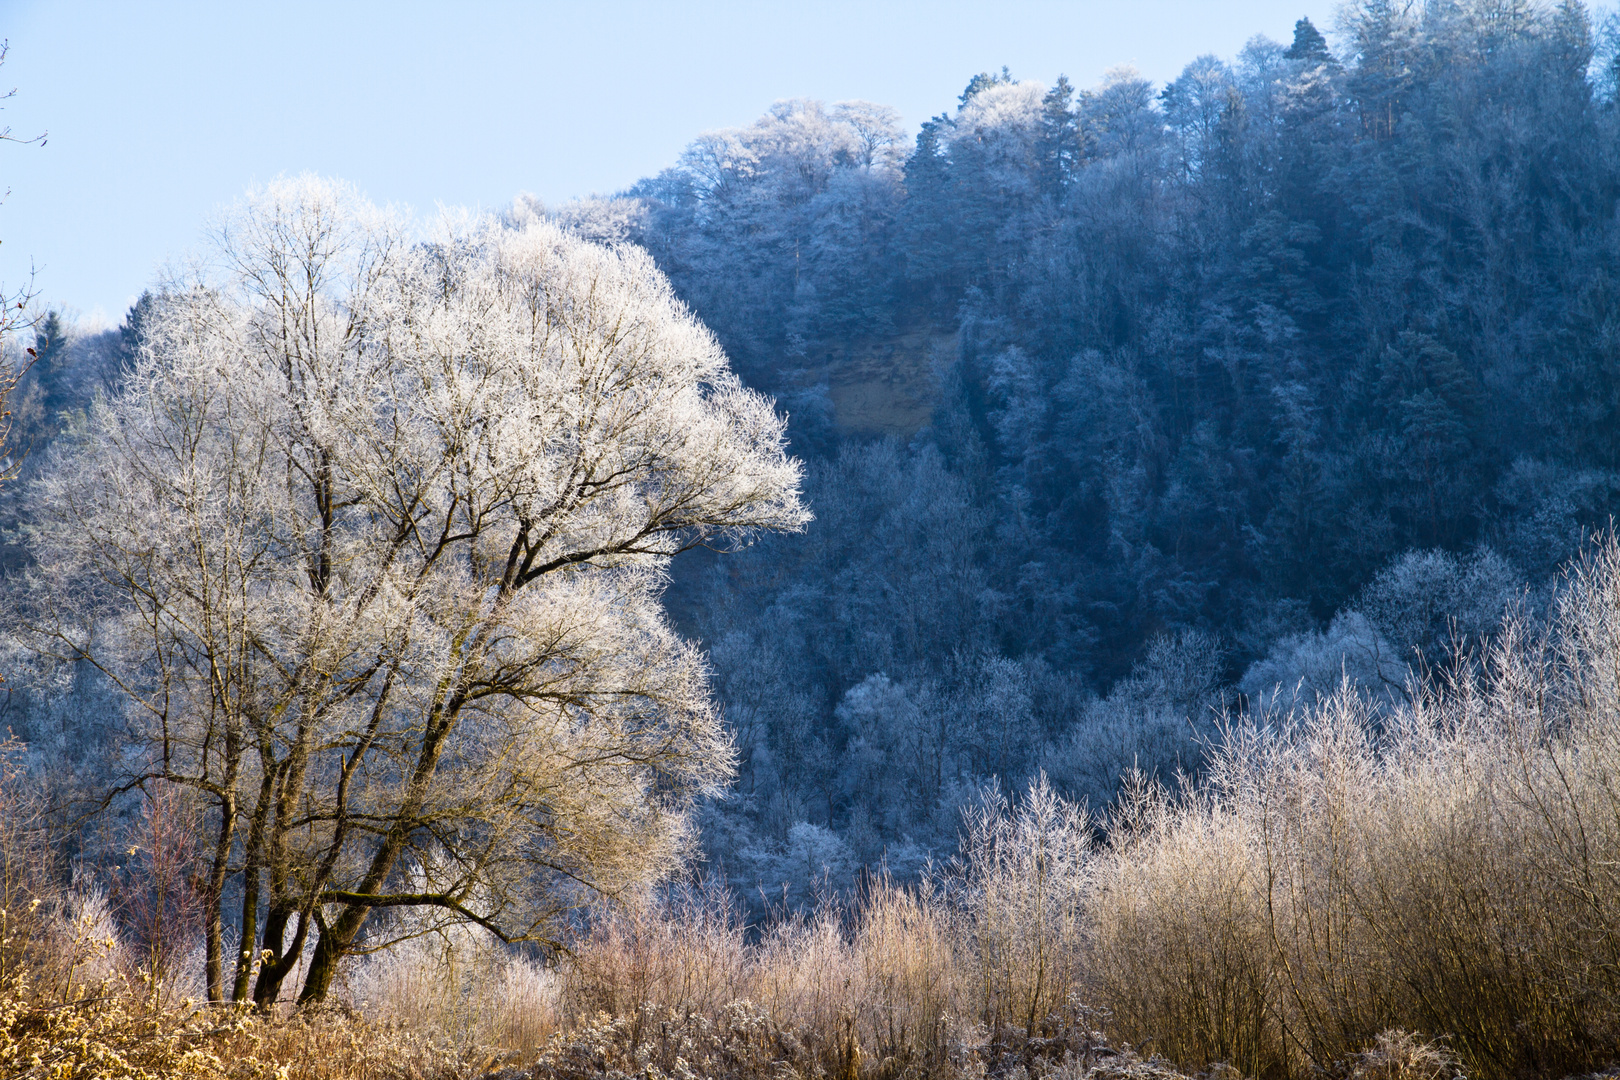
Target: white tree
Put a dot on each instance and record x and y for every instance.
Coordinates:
(374, 538)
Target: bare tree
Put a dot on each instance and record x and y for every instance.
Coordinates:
(16, 313)
(374, 538)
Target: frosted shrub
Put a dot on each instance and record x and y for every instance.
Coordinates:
(1447, 868)
(1177, 929)
(1021, 882)
(1401, 1055)
(973, 960)
(87, 946)
(681, 949)
(806, 973)
(909, 943)
(456, 985)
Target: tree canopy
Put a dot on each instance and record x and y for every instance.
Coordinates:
(373, 538)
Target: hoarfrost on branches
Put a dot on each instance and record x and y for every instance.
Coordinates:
(374, 538)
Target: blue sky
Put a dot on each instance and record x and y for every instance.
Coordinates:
(159, 113)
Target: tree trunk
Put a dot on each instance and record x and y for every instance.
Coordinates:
(331, 947)
(267, 987)
(215, 963)
(273, 973)
(336, 939)
(253, 863)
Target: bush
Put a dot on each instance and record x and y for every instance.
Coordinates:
(1450, 867)
(1355, 890)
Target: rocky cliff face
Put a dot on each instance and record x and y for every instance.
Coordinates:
(886, 386)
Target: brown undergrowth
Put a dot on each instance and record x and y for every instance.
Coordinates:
(1425, 893)
(744, 1043)
(113, 1032)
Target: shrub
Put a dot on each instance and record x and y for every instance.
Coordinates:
(1450, 867)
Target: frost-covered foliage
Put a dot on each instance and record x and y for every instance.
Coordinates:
(1308, 667)
(1155, 723)
(1444, 865)
(1021, 880)
(1308, 351)
(372, 540)
(1276, 385)
(785, 219)
(1425, 610)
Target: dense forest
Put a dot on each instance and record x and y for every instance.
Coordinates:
(1121, 407)
(1124, 402)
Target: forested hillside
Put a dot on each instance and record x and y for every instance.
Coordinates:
(1120, 404)
(1303, 365)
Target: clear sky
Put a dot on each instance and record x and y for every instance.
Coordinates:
(159, 113)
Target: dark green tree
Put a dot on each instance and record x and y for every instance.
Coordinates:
(1309, 46)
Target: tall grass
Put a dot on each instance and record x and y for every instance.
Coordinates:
(1419, 890)
(1411, 892)
(977, 960)
(1451, 868)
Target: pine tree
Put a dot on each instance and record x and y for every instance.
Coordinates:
(1309, 44)
(983, 81)
(1058, 149)
(928, 216)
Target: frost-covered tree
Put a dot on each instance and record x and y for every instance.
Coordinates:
(779, 231)
(1210, 360)
(373, 540)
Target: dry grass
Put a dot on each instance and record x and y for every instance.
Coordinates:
(1451, 869)
(1420, 894)
(77, 1000)
(973, 968)
(1424, 893)
(111, 1030)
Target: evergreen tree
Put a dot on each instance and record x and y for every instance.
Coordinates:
(1058, 148)
(1309, 46)
(983, 81)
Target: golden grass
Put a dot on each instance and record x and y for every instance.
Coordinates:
(1452, 869)
(1421, 894)
(111, 1031)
